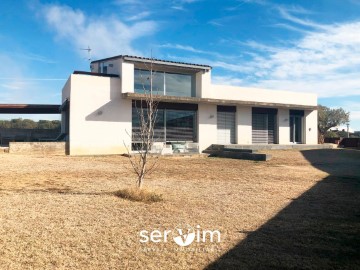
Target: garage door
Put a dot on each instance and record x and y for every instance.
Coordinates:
(226, 124)
(264, 126)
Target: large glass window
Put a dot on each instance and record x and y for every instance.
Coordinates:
(159, 131)
(142, 81)
(171, 125)
(178, 85)
(180, 125)
(164, 83)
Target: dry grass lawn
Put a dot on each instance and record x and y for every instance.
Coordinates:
(299, 210)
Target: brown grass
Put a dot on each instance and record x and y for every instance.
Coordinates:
(60, 212)
(139, 195)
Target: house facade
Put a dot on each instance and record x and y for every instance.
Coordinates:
(100, 116)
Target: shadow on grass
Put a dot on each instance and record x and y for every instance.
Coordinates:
(318, 230)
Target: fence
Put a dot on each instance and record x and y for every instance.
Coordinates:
(26, 135)
(350, 142)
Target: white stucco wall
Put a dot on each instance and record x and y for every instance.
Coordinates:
(311, 131)
(260, 95)
(127, 77)
(203, 83)
(244, 130)
(113, 66)
(94, 67)
(283, 121)
(99, 117)
(207, 125)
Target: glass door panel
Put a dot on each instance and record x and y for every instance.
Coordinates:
(295, 129)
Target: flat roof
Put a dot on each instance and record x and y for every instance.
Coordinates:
(160, 98)
(29, 109)
(95, 74)
(155, 61)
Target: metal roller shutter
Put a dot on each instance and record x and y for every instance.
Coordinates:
(263, 128)
(225, 127)
(271, 128)
(259, 129)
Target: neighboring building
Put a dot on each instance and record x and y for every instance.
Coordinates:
(99, 115)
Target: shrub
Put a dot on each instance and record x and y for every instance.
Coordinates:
(139, 195)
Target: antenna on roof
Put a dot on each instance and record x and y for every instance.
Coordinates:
(88, 49)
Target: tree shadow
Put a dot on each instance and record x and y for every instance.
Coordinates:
(318, 230)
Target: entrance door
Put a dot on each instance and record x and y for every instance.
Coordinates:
(296, 126)
(295, 129)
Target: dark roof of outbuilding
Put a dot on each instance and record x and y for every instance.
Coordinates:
(30, 108)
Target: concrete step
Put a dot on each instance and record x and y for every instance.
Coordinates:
(238, 150)
(214, 148)
(261, 147)
(245, 156)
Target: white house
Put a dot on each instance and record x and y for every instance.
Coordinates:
(98, 108)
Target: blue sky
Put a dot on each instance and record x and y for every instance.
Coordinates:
(304, 46)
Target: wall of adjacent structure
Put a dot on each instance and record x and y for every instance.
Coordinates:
(99, 117)
(37, 148)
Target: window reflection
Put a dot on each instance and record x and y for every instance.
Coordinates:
(159, 131)
(170, 126)
(171, 84)
(180, 125)
(142, 81)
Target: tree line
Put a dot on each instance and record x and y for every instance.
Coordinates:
(30, 124)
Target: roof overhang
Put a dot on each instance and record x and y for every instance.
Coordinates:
(157, 62)
(166, 63)
(196, 100)
(29, 109)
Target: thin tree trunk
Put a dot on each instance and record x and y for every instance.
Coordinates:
(147, 114)
(143, 169)
(140, 181)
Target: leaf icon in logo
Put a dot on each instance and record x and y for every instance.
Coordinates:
(184, 235)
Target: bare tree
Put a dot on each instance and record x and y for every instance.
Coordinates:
(144, 162)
